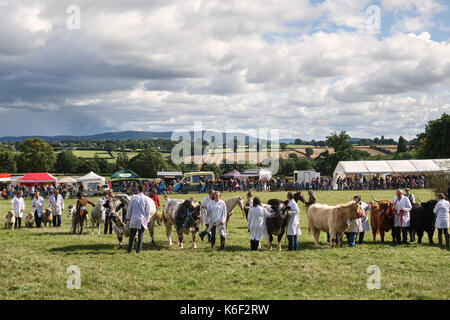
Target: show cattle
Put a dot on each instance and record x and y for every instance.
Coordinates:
(29, 220)
(276, 225)
(71, 210)
(47, 217)
(9, 220)
(422, 220)
(382, 218)
(185, 216)
(98, 214)
(332, 219)
(118, 207)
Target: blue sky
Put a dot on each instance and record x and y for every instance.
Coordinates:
(307, 68)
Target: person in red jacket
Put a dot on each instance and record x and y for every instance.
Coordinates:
(154, 196)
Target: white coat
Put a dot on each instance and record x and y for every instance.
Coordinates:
(37, 205)
(442, 214)
(204, 208)
(140, 210)
(57, 204)
(217, 216)
(365, 226)
(404, 204)
(355, 225)
(256, 222)
(18, 206)
(293, 226)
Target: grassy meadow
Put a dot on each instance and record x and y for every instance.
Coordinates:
(33, 264)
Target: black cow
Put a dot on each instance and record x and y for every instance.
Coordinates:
(422, 220)
(277, 224)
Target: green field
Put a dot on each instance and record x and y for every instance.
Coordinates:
(33, 265)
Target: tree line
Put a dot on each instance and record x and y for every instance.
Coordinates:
(36, 155)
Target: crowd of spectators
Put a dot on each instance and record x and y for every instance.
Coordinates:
(234, 185)
(28, 191)
(388, 183)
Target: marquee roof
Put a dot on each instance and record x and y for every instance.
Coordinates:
(37, 177)
(392, 166)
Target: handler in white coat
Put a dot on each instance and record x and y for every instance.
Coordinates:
(217, 218)
(205, 214)
(293, 226)
(402, 222)
(56, 202)
(363, 223)
(441, 210)
(18, 206)
(37, 204)
(256, 223)
(140, 209)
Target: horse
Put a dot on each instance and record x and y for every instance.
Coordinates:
(231, 204)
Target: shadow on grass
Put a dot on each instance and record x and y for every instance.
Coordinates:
(87, 249)
(59, 233)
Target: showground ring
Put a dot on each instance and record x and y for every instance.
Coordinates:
(34, 264)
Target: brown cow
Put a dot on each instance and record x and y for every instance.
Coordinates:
(47, 217)
(29, 220)
(9, 220)
(332, 219)
(381, 218)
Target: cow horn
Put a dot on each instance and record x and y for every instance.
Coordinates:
(374, 198)
(419, 200)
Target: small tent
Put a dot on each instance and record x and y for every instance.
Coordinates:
(5, 177)
(41, 178)
(125, 175)
(67, 180)
(91, 181)
(234, 174)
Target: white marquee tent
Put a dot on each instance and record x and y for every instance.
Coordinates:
(91, 180)
(67, 180)
(351, 168)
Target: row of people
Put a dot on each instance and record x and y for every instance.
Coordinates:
(55, 202)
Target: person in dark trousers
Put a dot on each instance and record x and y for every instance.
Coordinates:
(441, 210)
(138, 217)
(108, 222)
(18, 206)
(37, 204)
(402, 221)
(256, 223)
(293, 226)
(56, 202)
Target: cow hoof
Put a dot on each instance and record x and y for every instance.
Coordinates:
(279, 248)
(180, 246)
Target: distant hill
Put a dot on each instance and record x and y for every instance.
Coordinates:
(118, 136)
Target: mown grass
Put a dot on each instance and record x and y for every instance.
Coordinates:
(33, 265)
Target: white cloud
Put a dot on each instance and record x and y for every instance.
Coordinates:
(159, 65)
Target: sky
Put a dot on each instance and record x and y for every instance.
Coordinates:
(307, 68)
